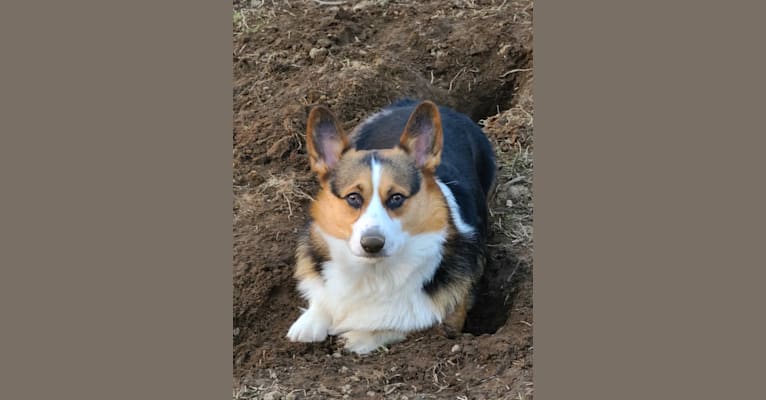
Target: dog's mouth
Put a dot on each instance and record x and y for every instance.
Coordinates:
(374, 256)
(371, 257)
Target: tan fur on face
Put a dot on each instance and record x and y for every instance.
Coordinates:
(333, 214)
(426, 210)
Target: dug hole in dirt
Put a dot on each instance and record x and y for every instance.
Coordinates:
(475, 56)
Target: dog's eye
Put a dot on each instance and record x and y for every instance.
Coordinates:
(395, 201)
(354, 200)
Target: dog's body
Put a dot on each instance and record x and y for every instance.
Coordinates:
(396, 239)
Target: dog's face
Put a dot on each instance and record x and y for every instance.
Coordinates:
(376, 200)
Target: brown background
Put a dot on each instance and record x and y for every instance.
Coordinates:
(115, 157)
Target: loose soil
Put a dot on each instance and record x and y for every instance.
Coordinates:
(475, 56)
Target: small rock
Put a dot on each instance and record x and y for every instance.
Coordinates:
(255, 178)
(346, 389)
(318, 53)
(324, 42)
(455, 348)
(370, 394)
(275, 395)
(362, 5)
(291, 396)
(519, 192)
(343, 369)
(336, 354)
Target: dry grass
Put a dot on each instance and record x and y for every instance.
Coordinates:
(273, 391)
(512, 205)
(286, 190)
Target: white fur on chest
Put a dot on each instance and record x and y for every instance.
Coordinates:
(359, 294)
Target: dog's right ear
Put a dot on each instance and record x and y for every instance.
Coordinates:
(422, 136)
(325, 140)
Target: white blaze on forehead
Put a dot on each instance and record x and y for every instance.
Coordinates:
(375, 213)
(376, 216)
(375, 167)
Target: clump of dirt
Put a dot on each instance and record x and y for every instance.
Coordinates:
(475, 56)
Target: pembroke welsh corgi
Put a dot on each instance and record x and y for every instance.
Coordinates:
(396, 238)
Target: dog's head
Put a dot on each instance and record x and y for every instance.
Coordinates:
(375, 200)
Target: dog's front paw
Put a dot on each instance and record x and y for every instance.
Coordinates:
(310, 327)
(364, 342)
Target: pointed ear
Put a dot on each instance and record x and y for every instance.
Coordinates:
(325, 140)
(422, 136)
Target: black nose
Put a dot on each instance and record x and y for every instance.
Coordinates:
(373, 242)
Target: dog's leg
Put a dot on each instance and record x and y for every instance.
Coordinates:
(454, 322)
(311, 326)
(363, 342)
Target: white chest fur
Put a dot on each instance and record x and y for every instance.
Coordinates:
(358, 294)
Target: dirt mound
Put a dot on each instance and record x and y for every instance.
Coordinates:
(475, 56)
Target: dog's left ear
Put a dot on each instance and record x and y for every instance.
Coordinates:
(422, 136)
(325, 140)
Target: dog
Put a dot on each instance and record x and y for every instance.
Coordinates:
(397, 233)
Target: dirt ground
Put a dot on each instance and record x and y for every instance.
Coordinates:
(356, 57)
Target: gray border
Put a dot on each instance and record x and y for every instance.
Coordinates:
(648, 200)
(115, 265)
